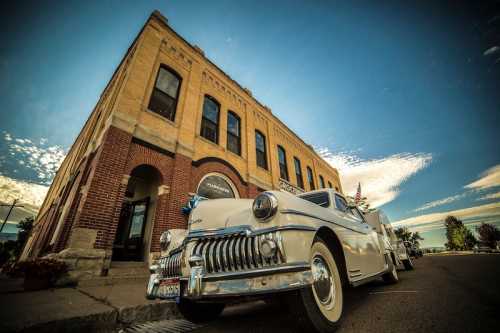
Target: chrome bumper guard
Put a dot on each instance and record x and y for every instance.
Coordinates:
(253, 282)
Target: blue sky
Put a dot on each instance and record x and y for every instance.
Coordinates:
(402, 98)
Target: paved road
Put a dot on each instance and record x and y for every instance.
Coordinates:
(443, 294)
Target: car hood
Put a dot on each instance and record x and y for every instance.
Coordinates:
(221, 213)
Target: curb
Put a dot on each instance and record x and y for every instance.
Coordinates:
(106, 321)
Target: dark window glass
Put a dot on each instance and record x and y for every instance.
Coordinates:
(310, 178)
(319, 198)
(298, 172)
(321, 181)
(210, 120)
(336, 188)
(282, 163)
(260, 148)
(233, 133)
(341, 203)
(165, 93)
(330, 184)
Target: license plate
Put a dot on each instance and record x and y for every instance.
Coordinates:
(169, 288)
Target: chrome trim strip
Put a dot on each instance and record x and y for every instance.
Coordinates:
(218, 255)
(232, 260)
(227, 265)
(295, 267)
(296, 212)
(245, 230)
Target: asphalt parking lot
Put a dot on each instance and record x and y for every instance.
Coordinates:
(454, 293)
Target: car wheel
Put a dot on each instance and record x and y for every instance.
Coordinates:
(199, 312)
(408, 263)
(391, 277)
(319, 307)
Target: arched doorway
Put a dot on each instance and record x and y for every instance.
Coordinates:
(216, 186)
(133, 235)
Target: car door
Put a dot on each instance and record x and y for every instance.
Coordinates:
(366, 253)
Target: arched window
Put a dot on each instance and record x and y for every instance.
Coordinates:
(321, 181)
(298, 172)
(282, 163)
(260, 150)
(210, 119)
(310, 179)
(329, 184)
(165, 93)
(233, 133)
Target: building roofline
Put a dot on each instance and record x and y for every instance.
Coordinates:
(158, 15)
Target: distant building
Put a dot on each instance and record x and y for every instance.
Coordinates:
(169, 123)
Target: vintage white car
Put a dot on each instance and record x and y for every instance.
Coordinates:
(306, 248)
(382, 226)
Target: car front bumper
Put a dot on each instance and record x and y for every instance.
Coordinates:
(252, 282)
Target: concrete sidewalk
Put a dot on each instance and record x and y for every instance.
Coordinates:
(92, 308)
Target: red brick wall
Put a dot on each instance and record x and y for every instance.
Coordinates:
(104, 191)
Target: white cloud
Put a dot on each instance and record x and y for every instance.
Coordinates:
(489, 196)
(433, 221)
(29, 194)
(380, 178)
(440, 202)
(45, 161)
(491, 50)
(488, 179)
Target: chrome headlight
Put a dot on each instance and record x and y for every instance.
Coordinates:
(265, 206)
(165, 240)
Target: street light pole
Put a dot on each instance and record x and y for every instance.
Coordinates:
(8, 214)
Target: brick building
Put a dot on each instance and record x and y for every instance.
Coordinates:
(170, 123)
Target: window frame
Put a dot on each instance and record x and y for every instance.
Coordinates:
(203, 119)
(310, 178)
(176, 99)
(265, 166)
(231, 134)
(298, 175)
(285, 165)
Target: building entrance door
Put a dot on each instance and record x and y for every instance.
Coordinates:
(129, 239)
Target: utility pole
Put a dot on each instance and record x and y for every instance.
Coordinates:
(10, 211)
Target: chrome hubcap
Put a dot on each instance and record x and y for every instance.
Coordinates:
(323, 283)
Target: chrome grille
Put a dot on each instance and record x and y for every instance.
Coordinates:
(171, 266)
(227, 253)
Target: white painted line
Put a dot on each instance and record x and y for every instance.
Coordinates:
(394, 292)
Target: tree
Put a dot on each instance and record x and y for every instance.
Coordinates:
(415, 238)
(403, 233)
(459, 237)
(488, 234)
(24, 227)
(362, 204)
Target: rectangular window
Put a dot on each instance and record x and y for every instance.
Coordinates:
(320, 198)
(310, 179)
(210, 120)
(298, 172)
(282, 163)
(165, 93)
(233, 133)
(321, 181)
(260, 150)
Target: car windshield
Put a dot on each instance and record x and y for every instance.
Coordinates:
(319, 198)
